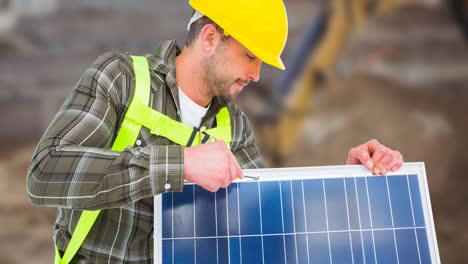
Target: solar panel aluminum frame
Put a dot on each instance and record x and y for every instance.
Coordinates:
(323, 172)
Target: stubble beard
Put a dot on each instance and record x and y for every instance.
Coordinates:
(216, 82)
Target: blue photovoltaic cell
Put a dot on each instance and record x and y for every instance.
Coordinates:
(423, 245)
(167, 254)
(251, 249)
(401, 205)
(315, 209)
(277, 242)
(205, 214)
(298, 206)
(407, 247)
(249, 209)
(184, 250)
(206, 250)
(358, 249)
(340, 247)
(379, 204)
(271, 201)
(336, 204)
(369, 247)
(352, 204)
(319, 251)
(416, 200)
(223, 252)
(234, 251)
(182, 215)
(314, 220)
(385, 246)
(363, 203)
(221, 211)
(302, 249)
(232, 210)
(291, 249)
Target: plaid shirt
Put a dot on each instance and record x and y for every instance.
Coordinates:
(74, 169)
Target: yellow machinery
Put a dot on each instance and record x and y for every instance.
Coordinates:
(318, 52)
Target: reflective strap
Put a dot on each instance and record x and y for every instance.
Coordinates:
(177, 132)
(129, 130)
(82, 229)
(220, 133)
(160, 124)
(223, 118)
(142, 79)
(223, 129)
(126, 136)
(140, 114)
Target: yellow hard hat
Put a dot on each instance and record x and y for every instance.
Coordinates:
(260, 25)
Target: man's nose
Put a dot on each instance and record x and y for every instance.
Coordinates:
(254, 72)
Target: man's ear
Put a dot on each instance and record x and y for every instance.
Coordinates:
(209, 38)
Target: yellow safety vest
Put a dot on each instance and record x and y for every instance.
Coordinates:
(138, 115)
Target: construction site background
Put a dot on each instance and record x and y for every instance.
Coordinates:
(402, 78)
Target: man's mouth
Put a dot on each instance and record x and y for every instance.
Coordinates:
(242, 83)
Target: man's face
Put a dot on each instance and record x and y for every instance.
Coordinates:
(229, 69)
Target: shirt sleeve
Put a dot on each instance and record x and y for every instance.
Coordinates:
(244, 145)
(73, 165)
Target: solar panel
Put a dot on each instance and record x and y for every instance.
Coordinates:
(334, 214)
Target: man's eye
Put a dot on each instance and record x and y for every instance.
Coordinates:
(251, 58)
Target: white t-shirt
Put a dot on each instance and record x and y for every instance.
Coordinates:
(191, 113)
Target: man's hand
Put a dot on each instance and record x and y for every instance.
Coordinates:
(211, 165)
(376, 157)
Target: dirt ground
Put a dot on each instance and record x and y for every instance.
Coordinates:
(403, 79)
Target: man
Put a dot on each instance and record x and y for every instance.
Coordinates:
(74, 169)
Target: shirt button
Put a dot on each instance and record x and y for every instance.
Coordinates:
(167, 186)
(138, 142)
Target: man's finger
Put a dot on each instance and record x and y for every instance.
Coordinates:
(372, 146)
(377, 157)
(399, 161)
(396, 161)
(389, 166)
(387, 162)
(398, 165)
(240, 173)
(359, 156)
(352, 157)
(226, 182)
(232, 170)
(227, 177)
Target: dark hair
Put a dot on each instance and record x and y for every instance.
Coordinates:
(196, 27)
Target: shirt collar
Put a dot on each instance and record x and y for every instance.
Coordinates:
(163, 60)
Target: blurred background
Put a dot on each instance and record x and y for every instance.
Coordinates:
(394, 70)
